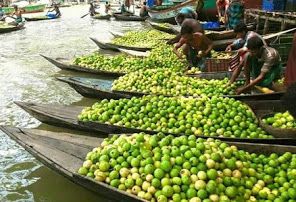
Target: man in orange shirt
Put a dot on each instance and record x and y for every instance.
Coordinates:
(196, 46)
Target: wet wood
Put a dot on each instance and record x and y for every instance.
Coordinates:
(65, 153)
(123, 17)
(78, 68)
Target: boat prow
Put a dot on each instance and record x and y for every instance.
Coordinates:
(103, 45)
(77, 68)
(65, 153)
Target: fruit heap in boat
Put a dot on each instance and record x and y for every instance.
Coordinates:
(144, 38)
(170, 83)
(160, 57)
(216, 116)
(190, 169)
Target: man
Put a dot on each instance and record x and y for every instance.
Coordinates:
(92, 9)
(234, 14)
(290, 73)
(1, 13)
(289, 99)
(222, 6)
(242, 37)
(240, 44)
(56, 10)
(262, 63)
(18, 14)
(189, 12)
(107, 7)
(144, 10)
(183, 19)
(196, 46)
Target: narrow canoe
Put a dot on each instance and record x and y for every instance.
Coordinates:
(116, 47)
(168, 15)
(116, 34)
(66, 116)
(101, 17)
(166, 29)
(72, 67)
(65, 153)
(121, 17)
(34, 8)
(101, 88)
(39, 18)
(11, 28)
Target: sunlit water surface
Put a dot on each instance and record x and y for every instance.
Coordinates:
(25, 76)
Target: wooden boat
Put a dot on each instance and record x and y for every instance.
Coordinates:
(167, 29)
(101, 88)
(65, 153)
(27, 9)
(65, 66)
(66, 116)
(101, 17)
(123, 17)
(168, 15)
(39, 18)
(116, 47)
(34, 8)
(116, 34)
(10, 28)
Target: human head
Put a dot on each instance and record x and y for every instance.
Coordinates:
(186, 30)
(144, 3)
(255, 45)
(107, 2)
(15, 7)
(240, 30)
(289, 99)
(181, 17)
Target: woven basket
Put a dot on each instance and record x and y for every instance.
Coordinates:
(276, 132)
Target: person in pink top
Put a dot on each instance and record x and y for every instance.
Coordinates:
(290, 74)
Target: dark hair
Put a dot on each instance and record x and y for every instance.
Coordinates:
(241, 27)
(289, 99)
(144, 3)
(186, 29)
(107, 2)
(254, 43)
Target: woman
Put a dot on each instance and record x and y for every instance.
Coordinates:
(234, 14)
(290, 74)
(222, 6)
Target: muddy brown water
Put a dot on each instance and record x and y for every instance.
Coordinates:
(25, 76)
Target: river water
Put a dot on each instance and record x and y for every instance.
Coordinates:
(25, 76)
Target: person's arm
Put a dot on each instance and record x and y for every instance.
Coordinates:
(226, 6)
(251, 84)
(218, 9)
(209, 44)
(179, 45)
(174, 40)
(236, 73)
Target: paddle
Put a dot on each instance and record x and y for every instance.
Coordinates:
(85, 15)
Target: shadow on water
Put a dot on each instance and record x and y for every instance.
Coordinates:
(25, 76)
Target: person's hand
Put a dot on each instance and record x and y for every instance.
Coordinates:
(240, 90)
(201, 54)
(228, 48)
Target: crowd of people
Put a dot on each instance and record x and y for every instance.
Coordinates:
(261, 64)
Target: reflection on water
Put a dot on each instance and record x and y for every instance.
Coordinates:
(26, 76)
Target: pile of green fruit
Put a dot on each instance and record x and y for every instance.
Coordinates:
(193, 70)
(189, 169)
(221, 55)
(169, 83)
(281, 120)
(160, 57)
(145, 38)
(216, 116)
